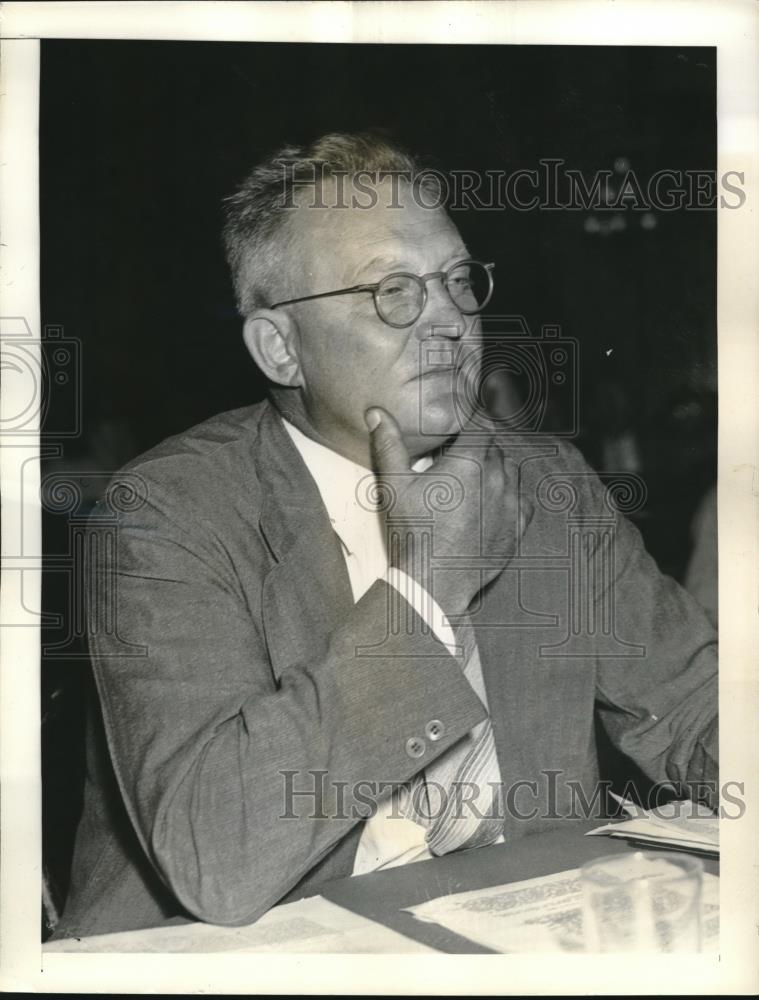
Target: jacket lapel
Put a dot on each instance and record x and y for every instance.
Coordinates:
(307, 592)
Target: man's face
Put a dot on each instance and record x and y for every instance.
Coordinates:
(350, 358)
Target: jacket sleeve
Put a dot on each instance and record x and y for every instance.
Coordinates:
(238, 783)
(658, 703)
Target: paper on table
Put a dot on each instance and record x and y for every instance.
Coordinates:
(676, 824)
(538, 915)
(307, 925)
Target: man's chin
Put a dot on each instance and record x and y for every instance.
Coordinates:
(433, 422)
(430, 439)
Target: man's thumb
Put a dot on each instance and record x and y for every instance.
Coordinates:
(388, 450)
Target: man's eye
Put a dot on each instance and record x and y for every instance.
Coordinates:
(388, 290)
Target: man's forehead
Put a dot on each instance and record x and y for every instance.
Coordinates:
(395, 227)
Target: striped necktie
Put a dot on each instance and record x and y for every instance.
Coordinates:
(458, 796)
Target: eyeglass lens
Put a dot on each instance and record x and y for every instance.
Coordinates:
(400, 297)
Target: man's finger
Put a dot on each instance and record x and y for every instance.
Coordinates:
(389, 452)
(510, 468)
(525, 509)
(482, 452)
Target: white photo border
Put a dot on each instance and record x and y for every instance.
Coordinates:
(730, 25)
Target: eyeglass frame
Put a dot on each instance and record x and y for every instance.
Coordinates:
(422, 279)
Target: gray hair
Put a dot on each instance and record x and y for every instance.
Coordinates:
(255, 234)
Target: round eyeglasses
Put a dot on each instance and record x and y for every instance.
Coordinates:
(400, 298)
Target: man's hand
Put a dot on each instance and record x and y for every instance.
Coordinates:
(488, 521)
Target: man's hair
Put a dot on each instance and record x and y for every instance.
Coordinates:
(256, 215)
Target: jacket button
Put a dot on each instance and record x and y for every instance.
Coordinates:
(415, 746)
(434, 730)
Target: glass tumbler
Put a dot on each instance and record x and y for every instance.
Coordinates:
(642, 902)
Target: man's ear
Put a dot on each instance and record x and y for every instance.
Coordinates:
(271, 339)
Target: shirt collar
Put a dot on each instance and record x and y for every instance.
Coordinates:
(341, 482)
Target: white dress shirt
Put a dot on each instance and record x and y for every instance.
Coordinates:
(385, 842)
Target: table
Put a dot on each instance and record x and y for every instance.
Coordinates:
(381, 896)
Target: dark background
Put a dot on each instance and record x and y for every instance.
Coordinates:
(139, 143)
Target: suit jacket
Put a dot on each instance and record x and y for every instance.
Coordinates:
(233, 668)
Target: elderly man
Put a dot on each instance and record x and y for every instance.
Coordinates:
(356, 624)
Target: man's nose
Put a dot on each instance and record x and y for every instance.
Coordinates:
(440, 318)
